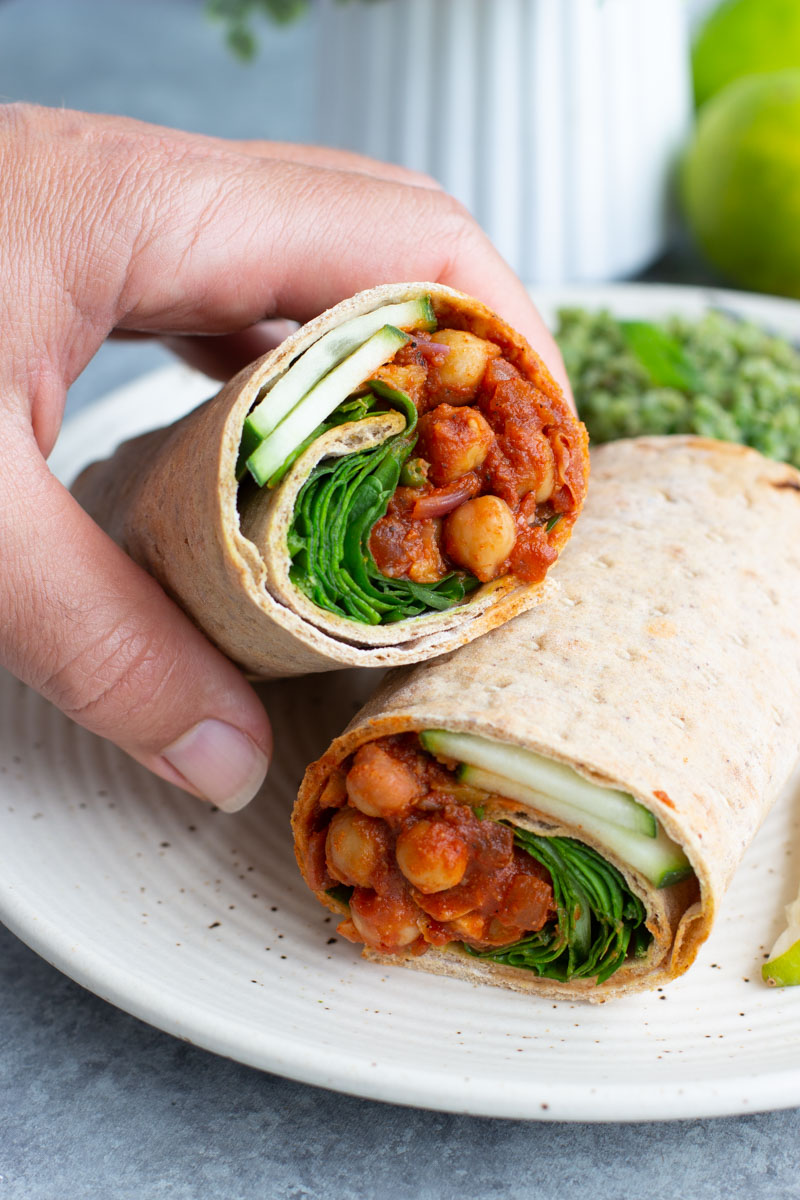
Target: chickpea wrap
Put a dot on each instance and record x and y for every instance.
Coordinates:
(559, 807)
(396, 479)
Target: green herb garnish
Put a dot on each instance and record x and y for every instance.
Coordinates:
(414, 473)
(716, 376)
(664, 359)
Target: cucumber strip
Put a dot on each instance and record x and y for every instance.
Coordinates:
(320, 402)
(658, 858)
(325, 354)
(782, 968)
(545, 776)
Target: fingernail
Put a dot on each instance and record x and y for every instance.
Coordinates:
(224, 765)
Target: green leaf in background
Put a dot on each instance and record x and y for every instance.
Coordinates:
(239, 15)
(599, 923)
(747, 386)
(662, 356)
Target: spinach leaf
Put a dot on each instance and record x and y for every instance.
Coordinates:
(599, 922)
(334, 514)
(341, 893)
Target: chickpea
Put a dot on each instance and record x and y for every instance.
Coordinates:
(409, 378)
(379, 784)
(356, 847)
(469, 355)
(547, 479)
(334, 794)
(454, 440)
(472, 926)
(428, 565)
(432, 855)
(385, 923)
(447, 905)
(480, 535)
(528, 903)
(533, 462)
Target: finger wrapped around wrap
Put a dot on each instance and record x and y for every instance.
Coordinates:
(222, 548)
(666, 667)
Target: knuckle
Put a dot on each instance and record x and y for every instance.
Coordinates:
(423, 180)
(20, 117)
(118, 677)
(456, 225)
(456, 232)
(453, 210)
(432, 183)
(14, 115)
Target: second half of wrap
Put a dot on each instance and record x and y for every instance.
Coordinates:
(221, 546)
(665, 667)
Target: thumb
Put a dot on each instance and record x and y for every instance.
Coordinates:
(91, 631)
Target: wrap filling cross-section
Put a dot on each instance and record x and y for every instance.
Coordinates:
(559, 806)
(394, 480)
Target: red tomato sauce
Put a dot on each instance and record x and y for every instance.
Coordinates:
(416, 829)
(495, 435)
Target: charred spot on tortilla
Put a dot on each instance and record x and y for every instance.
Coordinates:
(664, 798)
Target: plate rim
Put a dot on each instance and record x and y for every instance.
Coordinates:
(595, 1101)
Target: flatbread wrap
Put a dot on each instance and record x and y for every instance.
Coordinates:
(394, 480)
(559, 807)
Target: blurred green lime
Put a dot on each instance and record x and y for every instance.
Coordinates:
(745, 37)
(741, 182)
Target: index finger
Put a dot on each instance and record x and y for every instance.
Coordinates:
(212, 239)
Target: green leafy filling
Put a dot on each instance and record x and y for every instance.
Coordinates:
(335, 512)
(599, 920)
(341, 893)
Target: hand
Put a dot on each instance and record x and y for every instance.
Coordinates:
(113, 225)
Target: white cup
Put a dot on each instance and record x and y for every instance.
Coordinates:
(557, 122)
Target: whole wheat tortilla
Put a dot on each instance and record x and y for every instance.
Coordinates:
(169, 498)
(667, 664)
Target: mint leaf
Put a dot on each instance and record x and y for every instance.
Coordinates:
(662, 356)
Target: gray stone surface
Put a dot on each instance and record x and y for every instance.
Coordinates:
(97, 1105)
(92, 1102)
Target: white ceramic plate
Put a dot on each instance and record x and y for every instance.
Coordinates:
(198, 922)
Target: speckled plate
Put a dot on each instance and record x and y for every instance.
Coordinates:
(198, 922)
